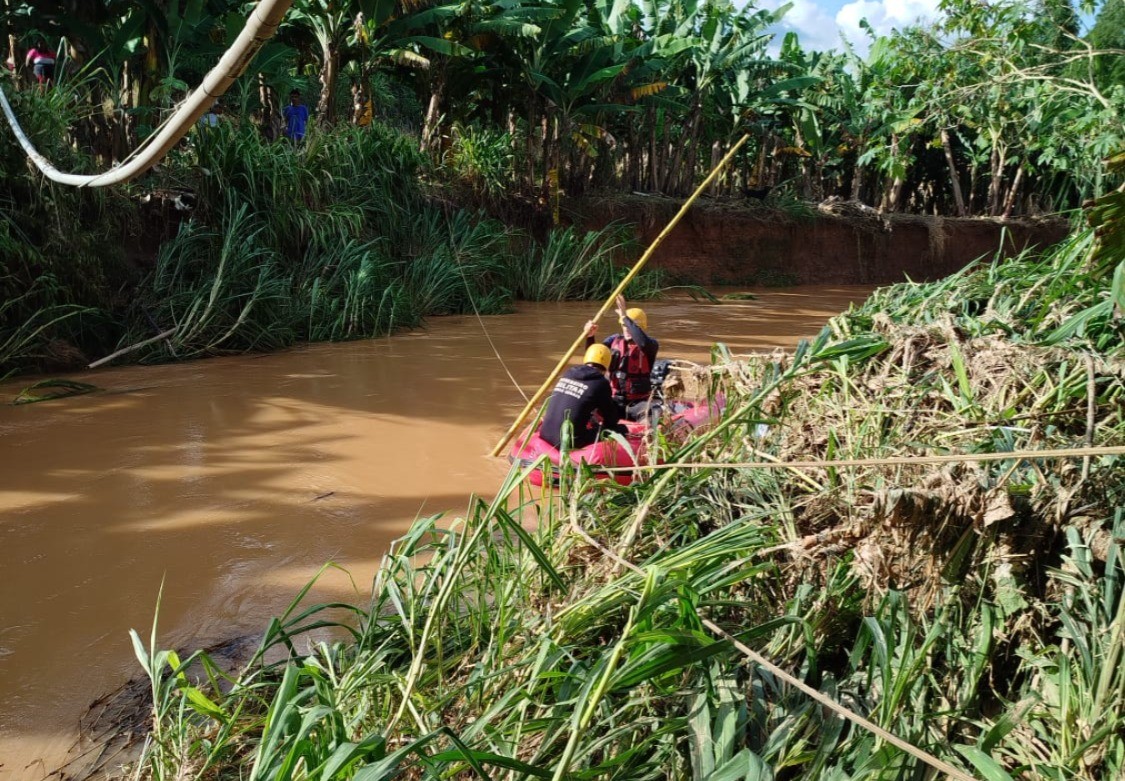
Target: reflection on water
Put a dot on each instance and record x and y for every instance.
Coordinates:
(232, 480)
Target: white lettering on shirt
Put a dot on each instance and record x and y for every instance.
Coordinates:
(570, 388)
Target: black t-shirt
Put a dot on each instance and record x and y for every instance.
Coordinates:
(580, 392)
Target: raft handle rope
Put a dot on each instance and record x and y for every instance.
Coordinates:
(821, 698)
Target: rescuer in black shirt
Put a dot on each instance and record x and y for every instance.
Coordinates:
(581, 392)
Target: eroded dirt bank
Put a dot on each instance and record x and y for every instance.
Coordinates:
(722, 243)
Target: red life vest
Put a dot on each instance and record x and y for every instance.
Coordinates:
(629, 370)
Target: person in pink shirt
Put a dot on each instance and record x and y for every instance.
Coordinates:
(42, 61)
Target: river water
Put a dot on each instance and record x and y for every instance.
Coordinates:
(232, 480)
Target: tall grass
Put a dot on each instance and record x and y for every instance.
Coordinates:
(62, 264)
(332, 239)
(25, 327)
(349, 290)
(335, 239)
(571, 264)
(220, 291)
(974, 610)
(481, 159)
(457, 264)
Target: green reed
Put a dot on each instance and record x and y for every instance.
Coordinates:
(571, 264)
(333, 240)
(61, 248)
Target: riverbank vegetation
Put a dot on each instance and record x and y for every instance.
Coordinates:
(975, 609)
(989, 111)
(336, 239)
(425, 117)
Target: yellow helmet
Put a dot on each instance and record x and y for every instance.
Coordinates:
(599, 354)
(638, 316)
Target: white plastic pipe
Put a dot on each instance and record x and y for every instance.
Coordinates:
(260, 27)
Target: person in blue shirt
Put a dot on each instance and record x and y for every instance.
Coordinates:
(296, 117)
(211, 118)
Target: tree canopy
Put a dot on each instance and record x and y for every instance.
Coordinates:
(999, 109)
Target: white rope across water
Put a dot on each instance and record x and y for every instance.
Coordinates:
(260, 27)
(488, 336)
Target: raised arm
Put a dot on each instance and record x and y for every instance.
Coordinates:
(591, 332)
(648, 345)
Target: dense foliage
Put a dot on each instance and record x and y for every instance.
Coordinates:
(421, 109)
(998, 109)
(335, 239)
(975, 609)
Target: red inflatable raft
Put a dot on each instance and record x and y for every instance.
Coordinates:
(608, 452)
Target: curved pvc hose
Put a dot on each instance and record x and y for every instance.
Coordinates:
(260, 27)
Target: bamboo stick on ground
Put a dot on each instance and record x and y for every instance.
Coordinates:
(131, 348)
(539, 394)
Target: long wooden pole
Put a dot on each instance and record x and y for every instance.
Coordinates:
(613, 296)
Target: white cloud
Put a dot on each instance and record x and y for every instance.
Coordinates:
(883, 16)
(819, 29)
(812, 23)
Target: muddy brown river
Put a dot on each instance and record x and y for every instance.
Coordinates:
(232, 480)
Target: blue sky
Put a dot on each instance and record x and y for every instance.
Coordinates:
(821, 22)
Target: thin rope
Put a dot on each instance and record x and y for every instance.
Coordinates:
(517, 424)
(469, 293)
(823, 699)
(1074, 452)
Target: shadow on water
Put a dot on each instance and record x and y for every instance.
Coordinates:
(233, 480)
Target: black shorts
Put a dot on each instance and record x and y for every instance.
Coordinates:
(44, 71)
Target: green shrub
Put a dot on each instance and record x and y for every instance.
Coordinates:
(575, 265)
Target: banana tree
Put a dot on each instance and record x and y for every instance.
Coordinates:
(469, 43)
(1018, 66)
(328, 21)
(729, 41)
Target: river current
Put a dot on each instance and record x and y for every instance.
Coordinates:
(232, 480)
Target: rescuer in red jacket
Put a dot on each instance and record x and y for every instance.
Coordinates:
(633, 356)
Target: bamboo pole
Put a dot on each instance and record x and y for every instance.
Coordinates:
(613, 296)
(131, 348)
